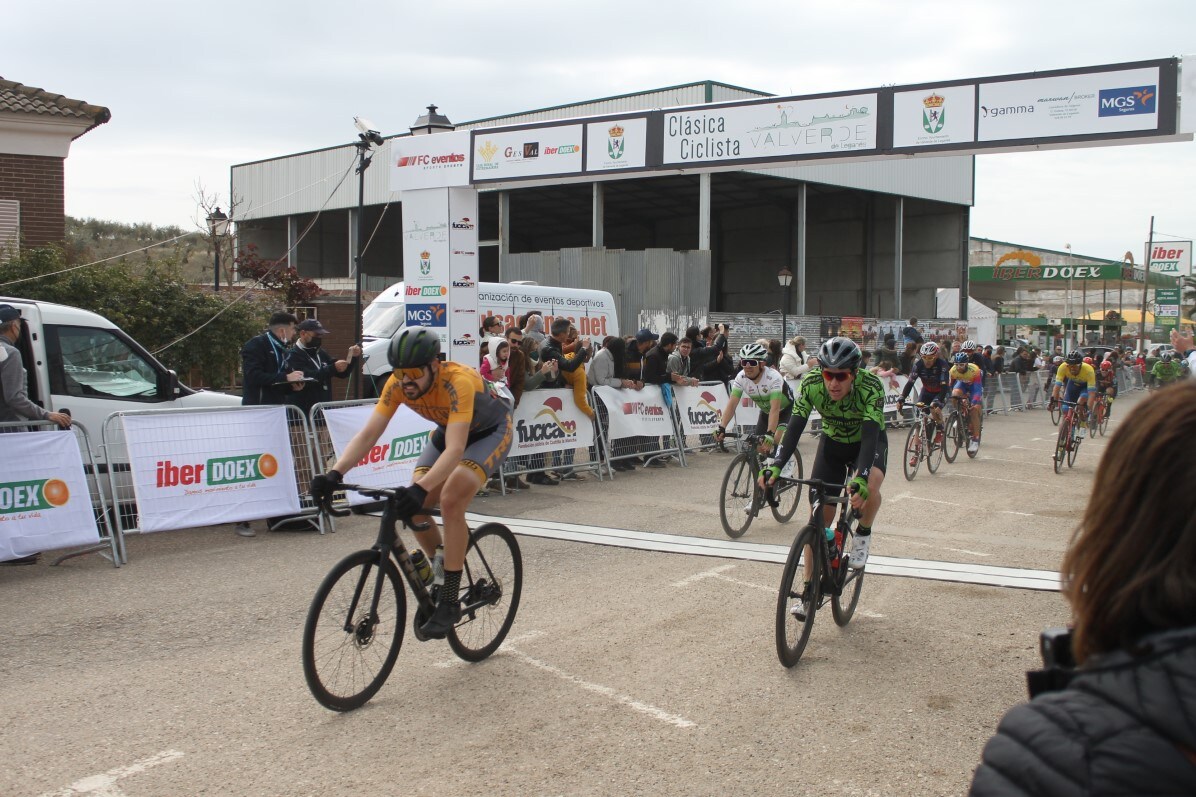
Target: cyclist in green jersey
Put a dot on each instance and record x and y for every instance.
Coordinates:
(1165, 371)
(851, 402)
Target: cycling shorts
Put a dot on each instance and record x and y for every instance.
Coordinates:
(835, 461)
(786, 414)
(974, 389)
(485, 450)
(1073, 390)
(928, 397)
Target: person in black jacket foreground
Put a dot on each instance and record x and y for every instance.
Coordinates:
(1125, 720)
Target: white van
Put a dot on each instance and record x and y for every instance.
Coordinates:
(592, 312)
(81, 361)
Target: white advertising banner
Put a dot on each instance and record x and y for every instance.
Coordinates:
(935, 116)
(433, 161)
(464, 323)
(635, 413)
(391, 462)
(777, 129)
(1173, 258)
(549, 420)
(426, 260)
(211, 467)
(618, 144)
(527, 153)
(1070, 105)
(700, 406)
(44, 500)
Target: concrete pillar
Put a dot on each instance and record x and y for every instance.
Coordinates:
(504, 231)
(899, 234)
(799, 250)
(599, 216)
(704, 210)
(293, 243)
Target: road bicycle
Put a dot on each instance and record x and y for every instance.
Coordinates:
(1100, 416)
(956, 425)
(1067, 443)
(741, 498)
(816, 571)
(1056, 410)
(355, 625)
(924, 442)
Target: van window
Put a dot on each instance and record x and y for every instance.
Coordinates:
(96, 363)
(382, 319)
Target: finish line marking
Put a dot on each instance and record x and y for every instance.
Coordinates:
(104, 784)
(956, 572)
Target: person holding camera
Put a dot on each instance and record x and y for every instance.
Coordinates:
(1115, 710)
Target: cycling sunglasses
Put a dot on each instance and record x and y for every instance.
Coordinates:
(411, 374)
(746, 363)
(836, 376)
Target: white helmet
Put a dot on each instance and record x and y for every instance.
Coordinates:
(753, 351)
(969, 345)
(929, 349)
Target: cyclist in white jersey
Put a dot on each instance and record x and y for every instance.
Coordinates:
(768, 391)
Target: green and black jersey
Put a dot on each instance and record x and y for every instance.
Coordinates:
(856, 420)
(841, 420)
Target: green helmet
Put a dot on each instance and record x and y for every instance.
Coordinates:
(414, 348)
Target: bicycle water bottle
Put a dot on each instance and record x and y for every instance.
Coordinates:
(838, 546)
(832, 543)
(423, 568)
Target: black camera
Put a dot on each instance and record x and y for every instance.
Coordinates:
(1058, 662)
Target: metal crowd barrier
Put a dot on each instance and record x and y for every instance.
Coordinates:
(648, 448)
(693, 443)
(110, 546)
(120, 482)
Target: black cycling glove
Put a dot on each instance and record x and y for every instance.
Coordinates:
(323, 485)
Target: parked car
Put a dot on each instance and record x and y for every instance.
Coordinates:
(1157, 349)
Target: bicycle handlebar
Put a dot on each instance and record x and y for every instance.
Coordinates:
(384, 493)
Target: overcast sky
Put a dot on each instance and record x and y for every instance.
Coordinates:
(198, 87)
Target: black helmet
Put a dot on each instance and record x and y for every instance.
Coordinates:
(839, 353)
(1075, 357)
(414, 348)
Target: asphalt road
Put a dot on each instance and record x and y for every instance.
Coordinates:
(626, 672)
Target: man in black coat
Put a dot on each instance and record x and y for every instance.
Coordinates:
(317, 365)
(264, 369)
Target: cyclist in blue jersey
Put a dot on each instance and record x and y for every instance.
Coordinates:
(932, 370)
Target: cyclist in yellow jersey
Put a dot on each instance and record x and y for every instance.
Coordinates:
(967, 380)
(470, 442)
(1080, 378)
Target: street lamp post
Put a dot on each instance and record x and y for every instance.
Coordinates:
(367, 140)
(218, 228)
(1070, 320)
(784, 279)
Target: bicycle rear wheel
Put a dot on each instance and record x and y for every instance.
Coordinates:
(1076, 437)
(740, 498)
(913, 452)
(934, 451)
(349, 649)
(843, 605)
(951, 438)
(793, 633)
(787, 494)
(491, 586)
(1104, 419)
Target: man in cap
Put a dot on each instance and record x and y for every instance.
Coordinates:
(317, 365)
(14, 390)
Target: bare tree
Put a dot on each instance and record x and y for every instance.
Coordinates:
(208, 204)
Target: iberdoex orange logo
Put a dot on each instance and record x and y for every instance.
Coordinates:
(33, 496)
(218, 471)
(704, 414)
(550, 430)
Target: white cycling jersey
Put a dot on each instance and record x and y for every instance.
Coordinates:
(771, 385)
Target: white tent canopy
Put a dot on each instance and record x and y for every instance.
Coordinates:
(982, 319)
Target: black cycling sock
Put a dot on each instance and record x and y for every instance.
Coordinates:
(863, 531)
(452, 585)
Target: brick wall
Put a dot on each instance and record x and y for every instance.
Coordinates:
(37, 183)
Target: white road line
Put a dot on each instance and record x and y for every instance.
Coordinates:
(991, 478)
(1023, 514)
(1037, 450)
(873, 615)
(965, 550)
(959, 572)
(929, 500)
(742, 583)
(104, 785)
(1017, 461)
(606, 691)
(455, 662)
(685, 582)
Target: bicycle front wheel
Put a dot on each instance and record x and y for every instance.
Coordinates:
(843, 605)
(349, 643)
(793, 632)
(787, 494)
(934, 451)
(913, 452)
(951, 439)
(490, 589)
(1076, 436)
(739, 498)
(1055, 412)
(1061, 446)
(1104, 419)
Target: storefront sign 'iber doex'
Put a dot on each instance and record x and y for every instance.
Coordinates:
(218, 467)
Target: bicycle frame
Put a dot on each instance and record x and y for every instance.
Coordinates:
(829, 576)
